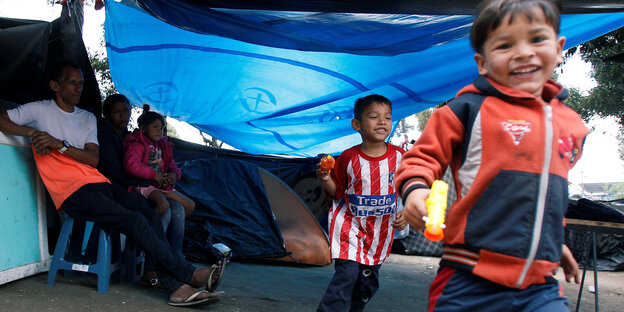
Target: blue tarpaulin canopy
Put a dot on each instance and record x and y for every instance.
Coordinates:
(285, 82)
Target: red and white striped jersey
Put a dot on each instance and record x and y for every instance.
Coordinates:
(365, 205)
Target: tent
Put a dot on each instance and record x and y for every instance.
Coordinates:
(281, 77)
(264, 207)
(250, 210)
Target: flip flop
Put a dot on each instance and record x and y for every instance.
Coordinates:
(210, 285)
(190, 301)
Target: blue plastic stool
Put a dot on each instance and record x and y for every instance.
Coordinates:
(103, 267)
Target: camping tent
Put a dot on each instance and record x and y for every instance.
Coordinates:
(284, 82)
(250, 210)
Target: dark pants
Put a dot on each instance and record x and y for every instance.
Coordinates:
(351, 287)
(115, 209)
(459, 290)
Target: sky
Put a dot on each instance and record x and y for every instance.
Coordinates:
(599, 163)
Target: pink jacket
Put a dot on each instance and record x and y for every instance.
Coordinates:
(136, 156)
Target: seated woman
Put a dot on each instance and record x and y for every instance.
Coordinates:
(111, 131)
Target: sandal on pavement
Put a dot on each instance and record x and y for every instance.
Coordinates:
(220, 266)
(192, 301)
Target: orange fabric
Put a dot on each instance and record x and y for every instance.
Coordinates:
(489, 267)
(508, 275)
(536, 272)
(435, 151)
(62, 175)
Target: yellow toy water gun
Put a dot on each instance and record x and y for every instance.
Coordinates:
(327, 163)
(436, 208)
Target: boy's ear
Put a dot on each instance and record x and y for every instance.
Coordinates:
(355, 124)
(480, 60)
(560, 44)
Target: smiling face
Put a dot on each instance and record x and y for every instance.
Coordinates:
(375, 124)
(154, 130)
(522, 54)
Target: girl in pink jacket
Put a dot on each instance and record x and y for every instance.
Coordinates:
(148, 155)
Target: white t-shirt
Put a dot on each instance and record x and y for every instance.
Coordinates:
(61, 174)
(79, 127)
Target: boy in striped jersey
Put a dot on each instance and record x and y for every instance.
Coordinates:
(364, 210)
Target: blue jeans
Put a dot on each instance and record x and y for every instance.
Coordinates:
(116, 209)
(351, 287)
(175, 230)
(173, 225)
(459, 290)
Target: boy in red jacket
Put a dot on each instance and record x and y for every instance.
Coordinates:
(510, 142)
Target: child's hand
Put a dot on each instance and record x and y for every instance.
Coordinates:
(171, 178)
(415, 208)
(400, 222)
(569, 265)
(160, 179)
(322, 174)
(325, 177)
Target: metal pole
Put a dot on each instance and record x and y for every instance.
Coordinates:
(578, 300)
(595, 271)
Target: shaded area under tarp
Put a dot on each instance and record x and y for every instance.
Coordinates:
(277, 82)
(288, 169)
(251, 211)
(298, 172)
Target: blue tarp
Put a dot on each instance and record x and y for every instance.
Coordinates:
(285, 82)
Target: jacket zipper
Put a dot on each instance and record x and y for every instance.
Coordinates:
(541, 198)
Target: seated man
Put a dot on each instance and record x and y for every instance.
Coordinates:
(110, 133)
(66, 153)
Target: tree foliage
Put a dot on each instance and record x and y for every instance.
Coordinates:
(99, 62)
(607, 98)
(423, 116)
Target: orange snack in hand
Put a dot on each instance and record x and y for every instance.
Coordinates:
(327, 163)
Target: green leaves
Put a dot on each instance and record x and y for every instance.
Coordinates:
(607, 98)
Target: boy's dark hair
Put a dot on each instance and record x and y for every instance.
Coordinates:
(490, 14)
(362, 103)
(110, 100)
(147, 117)
(56, 72)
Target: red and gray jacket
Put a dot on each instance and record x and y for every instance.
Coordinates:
(509, 154)
(136, 156)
